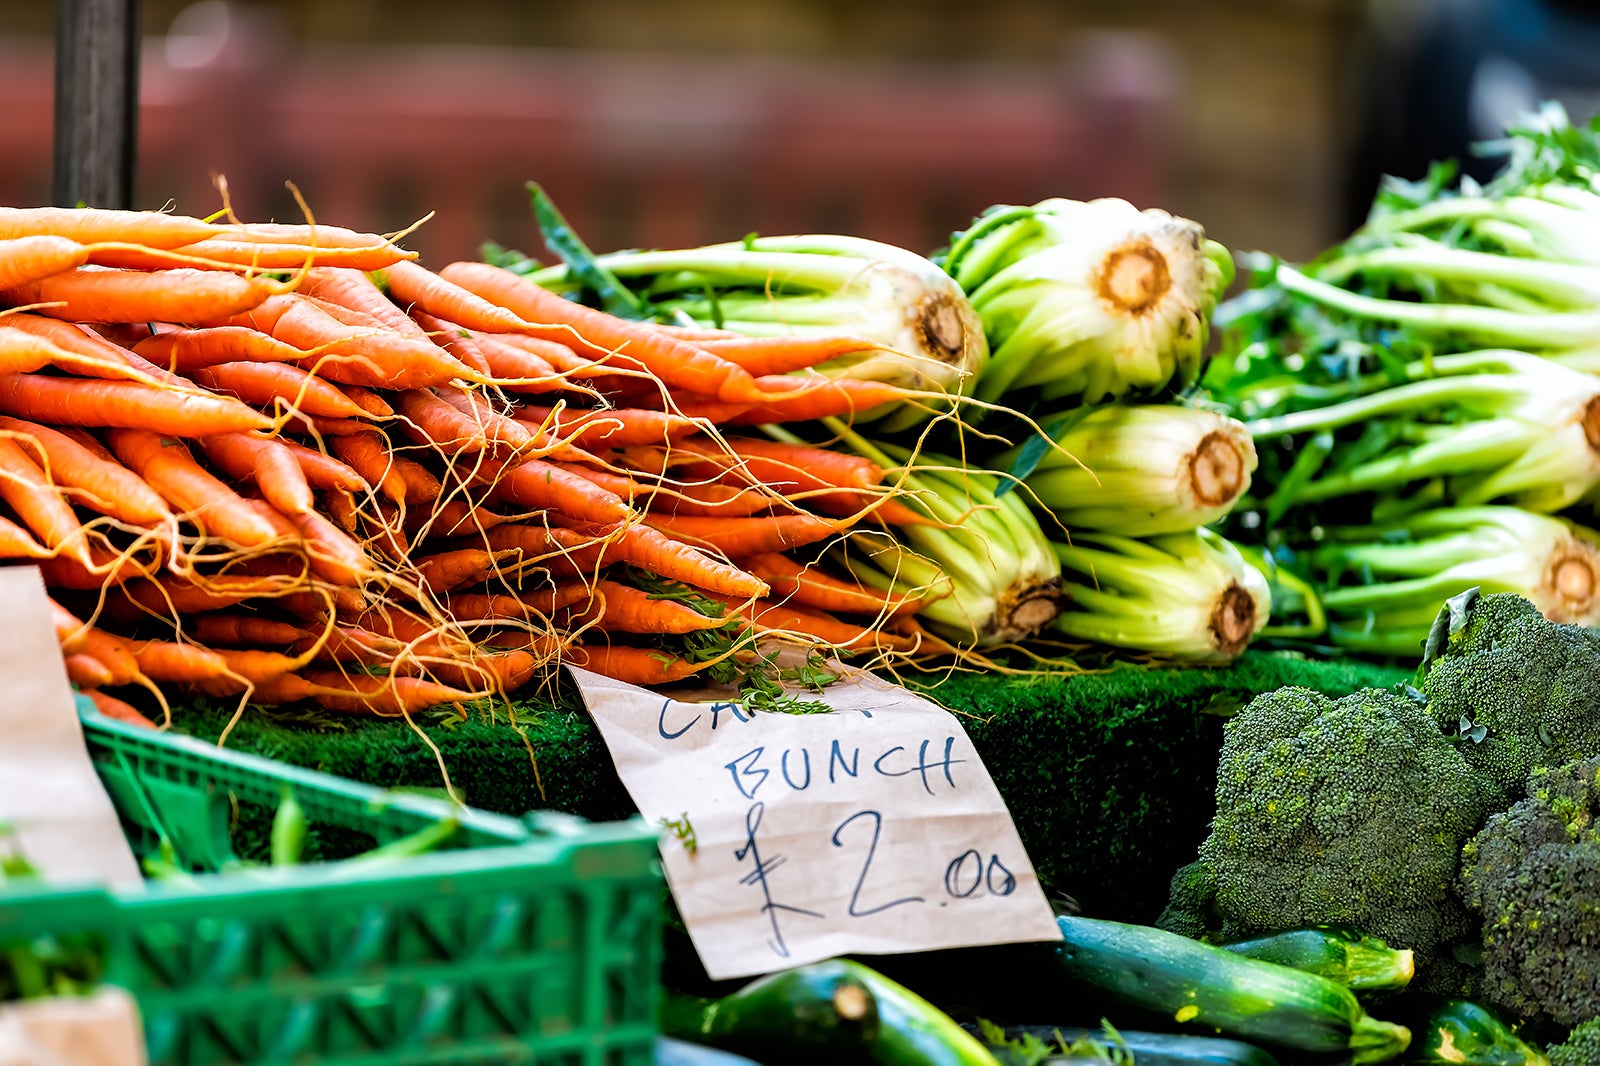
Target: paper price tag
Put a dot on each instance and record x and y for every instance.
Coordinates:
(871, 829)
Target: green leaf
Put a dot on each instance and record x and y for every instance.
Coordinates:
(1037, 446)
(615, 297)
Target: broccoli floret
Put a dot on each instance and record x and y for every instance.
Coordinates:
(1348, 812)
(1189, 909)
(1518, 690)
(1581, 1047)
(1533, 873)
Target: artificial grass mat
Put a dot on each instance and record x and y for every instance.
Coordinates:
(1109, 776)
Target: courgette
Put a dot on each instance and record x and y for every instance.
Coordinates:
(1361, 963)
(836, 1006)
(1465, 1034)
(1146, 1049)
(1201, 986)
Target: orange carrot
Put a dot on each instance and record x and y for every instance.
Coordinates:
(424, 638)
(712, 412)
(87, 672)
(232, 254)
(453, 518)
(362, 694)
(17, 543)
(263, 384)
(368, 457)
(504, 671)
(341, 508)
(165, 660)
(334, 554)
(636, 666)
(39, 504)
(810, 586)
(124, 404)
(563, 549)
(724, 500)
(544, 314)
(747, 536)
(462, 566)
(169, 597)
(324, 471)
(781, 618)
(539, 485)
(246, 629)
(88, 225)
(89, 354)
(528, 604)
(70, 572)
(106, 294)
(354, 290)
(762, 356)
(332, 427)
(169, 469)
(194, 349)
(654, 551)
(102, 484)
(349, 354)
(257, 665)
(116, 709)
(352, 644)
(505, 434)
(618, 608)
(330, 552)
(791, 467)
(370, 402)
(815, 399)
(526, 364)
(436, 422)
(317, 236)
(614, 428)
(26, 259)
(267, 462)
(453, 339)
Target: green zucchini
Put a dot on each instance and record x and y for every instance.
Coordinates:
(1147, 1049)
(1361, 963)
(837, 1005)
(1465, 1034)
(1203, 986)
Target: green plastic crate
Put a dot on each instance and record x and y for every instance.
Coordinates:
(534, 940)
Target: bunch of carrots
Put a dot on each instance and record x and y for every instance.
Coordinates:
(289, 463)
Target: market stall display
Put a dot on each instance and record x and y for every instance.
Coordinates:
(296, 492)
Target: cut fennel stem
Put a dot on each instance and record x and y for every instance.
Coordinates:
(1143, 470)
(1092, 299)
(1552, 562)
(1188, 596)
(931, 338)
(988, 560)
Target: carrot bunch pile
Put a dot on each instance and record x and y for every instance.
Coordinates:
(247, 469)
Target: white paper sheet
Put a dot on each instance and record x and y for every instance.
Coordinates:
(872, 829)
(61, 819)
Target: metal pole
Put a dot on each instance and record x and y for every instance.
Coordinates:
(97, 102)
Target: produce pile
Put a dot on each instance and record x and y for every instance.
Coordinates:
(1423, 400)
(290, 464)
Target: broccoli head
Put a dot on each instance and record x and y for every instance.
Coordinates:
(1190, 905)
(1581, 1047)
(1518, 689)
(1533, 873)
(1349, 812)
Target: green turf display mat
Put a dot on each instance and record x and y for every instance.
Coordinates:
(1109, 776)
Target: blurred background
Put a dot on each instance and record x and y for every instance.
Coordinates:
(666, 123)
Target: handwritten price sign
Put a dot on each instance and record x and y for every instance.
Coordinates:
(872, 829)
